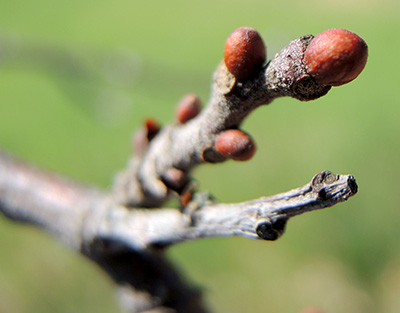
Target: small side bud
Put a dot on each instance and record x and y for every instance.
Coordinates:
(152, 128)
(235, 144)
(175, 179)
(187, 193)
(336, 57)
(144, 135)
(244, 52)
(188, 108)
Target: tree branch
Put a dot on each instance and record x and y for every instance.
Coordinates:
(123, 236)
(76, 214)
(52, 202)
(80, 215)
(264, 218)
(126, 242)
(184, 146)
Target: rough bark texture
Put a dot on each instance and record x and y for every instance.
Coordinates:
(188, 145)
(118, 230)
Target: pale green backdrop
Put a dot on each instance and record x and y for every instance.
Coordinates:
(77, 77)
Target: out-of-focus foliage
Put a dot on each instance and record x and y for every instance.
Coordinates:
(78, 77)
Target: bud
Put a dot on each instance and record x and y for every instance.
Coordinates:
(244, 52)
(235, 144)
(336, 57)
(188, 108)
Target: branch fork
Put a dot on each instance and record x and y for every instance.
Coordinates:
(124, 230)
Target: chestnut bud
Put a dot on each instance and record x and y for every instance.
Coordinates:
(244, 52)
(144, 135)
(174, 179)
(335, 57)
(188, 108)
(152, 128)
(235, 144)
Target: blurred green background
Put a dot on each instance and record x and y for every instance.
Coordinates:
(78, 77)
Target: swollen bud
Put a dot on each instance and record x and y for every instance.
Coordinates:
(188, 108)
(174, 179)
(235, 144)
(152, 128)
(336, 57)
(244, 52)
(145, 134)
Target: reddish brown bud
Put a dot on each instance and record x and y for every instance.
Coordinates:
(235, 144)
(152, 128)
(187, 194)
(185, 198)
(336, 57)
(144, 135)
(244, 52)
(175, 179)
(188, 108)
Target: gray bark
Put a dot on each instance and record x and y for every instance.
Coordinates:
(125, 231)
